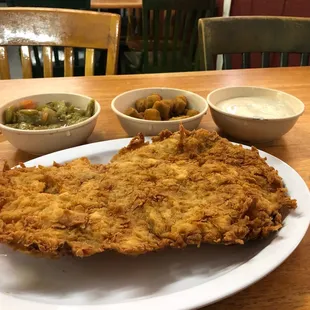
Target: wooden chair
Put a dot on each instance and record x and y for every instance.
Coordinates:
(246, 35)
(169, 33)
(58, 27)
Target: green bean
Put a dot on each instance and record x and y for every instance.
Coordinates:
(29, 116)
(90, 110)
(41, 107)
(70, 108)
(49, 116)
(29, 112)
(9, 115)
(59, 107)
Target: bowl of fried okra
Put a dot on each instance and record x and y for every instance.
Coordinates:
(151, 110)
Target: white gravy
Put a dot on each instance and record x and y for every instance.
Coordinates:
(257, 107)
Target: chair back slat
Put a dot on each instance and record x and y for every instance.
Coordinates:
(26, 62)
(167, 29)
(89, 62)
(156, 24)
(68, 61)
(47, 61)
(176, 37)
(113, 44)
(193, 40)
(4, 63)
(186, 33)
(145, 21)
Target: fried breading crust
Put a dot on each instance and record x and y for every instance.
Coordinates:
(184, 188)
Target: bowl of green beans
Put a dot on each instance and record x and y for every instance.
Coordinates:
(45, 123)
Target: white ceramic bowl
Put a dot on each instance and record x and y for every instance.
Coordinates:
(254, 129)
(151, 128)
(49, 140)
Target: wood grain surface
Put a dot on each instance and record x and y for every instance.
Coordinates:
(115, 4)
(286, 288)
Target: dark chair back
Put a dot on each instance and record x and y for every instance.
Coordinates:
(250, 34)
(170, 35)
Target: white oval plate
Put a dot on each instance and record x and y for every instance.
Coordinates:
(170, 279)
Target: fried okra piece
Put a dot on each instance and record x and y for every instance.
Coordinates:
(179, 106)
(192, 112)
(170, 102)
(163, 108)
(152, 114)
(182, 98)
(133, 113)
(150, 100)
(140, 105)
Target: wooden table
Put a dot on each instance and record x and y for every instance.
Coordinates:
(288, 287)
(115, 4)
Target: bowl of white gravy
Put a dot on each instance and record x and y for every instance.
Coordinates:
(254, 114)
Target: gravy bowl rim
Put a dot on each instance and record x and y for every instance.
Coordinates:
(214, 107)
